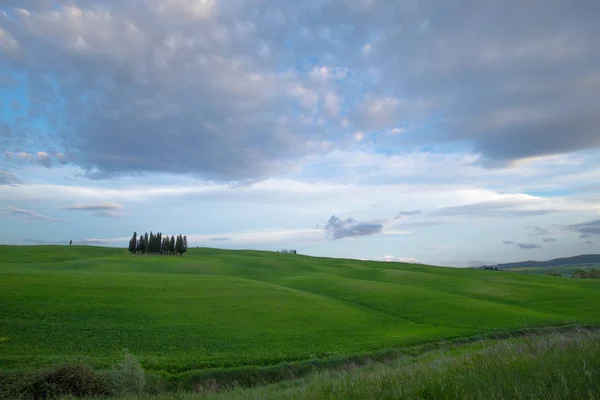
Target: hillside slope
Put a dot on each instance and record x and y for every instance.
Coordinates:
(217, 308)
(584, 259)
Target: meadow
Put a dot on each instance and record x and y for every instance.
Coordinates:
(218, 310)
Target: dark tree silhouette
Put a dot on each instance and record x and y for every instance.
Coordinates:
(156, 243)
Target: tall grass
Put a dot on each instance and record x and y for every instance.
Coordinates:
(555, 366)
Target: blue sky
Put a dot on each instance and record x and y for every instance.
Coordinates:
(454, 133)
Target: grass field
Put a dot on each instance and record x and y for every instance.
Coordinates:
(222, 309)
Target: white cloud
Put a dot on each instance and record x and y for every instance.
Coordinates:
(332, 104)
(27, 214)
(8, 44)
(409, 260)
(308, 97)
(325, 73)
(358, 136)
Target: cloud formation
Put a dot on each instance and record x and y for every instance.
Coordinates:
(513, 206)
(409, 260)
(525, 246)
(337, 228)
(233, 90)
(95, 207)
(586, 229)
(7, 178)
(27, 214)
(549, 240)
(100, 210)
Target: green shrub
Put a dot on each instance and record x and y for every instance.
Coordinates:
(553, 273)
(77, 380)
(127, 376)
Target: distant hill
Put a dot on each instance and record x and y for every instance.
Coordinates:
(576, 260)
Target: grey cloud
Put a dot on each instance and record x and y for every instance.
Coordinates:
(337, 228)
(526, 91)
(95, 207)
(27, 214)
(110, 210)
(549, 240)
(525, 246)
(187, 97)
(586, 229)
(528, 246)
(225, 91)
(588, 242)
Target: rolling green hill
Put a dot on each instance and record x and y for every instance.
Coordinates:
(216, 308)
(584, 259)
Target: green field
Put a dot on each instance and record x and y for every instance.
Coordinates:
(222, 309)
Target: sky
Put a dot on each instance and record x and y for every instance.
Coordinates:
(456, 133)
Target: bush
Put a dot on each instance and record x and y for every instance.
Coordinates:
(77, 380)
(553, 273)
(127, 376)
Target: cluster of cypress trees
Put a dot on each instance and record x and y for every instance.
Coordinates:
(157, 244)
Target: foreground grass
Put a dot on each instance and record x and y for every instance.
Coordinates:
(551, 366)
(214, 309)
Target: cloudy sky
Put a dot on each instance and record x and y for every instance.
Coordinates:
(444, 131)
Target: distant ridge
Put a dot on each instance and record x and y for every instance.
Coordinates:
(576, 260)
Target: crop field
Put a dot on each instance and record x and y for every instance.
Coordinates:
(222, 309)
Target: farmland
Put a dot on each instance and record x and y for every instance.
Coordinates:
(223, 309)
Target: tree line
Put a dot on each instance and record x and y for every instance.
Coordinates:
(488, 268)
(591, 274)
(156, 244)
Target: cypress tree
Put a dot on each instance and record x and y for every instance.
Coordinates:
(184, 245)
(146, 243)
(132, 243)
(172, 245)
(178, 244)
